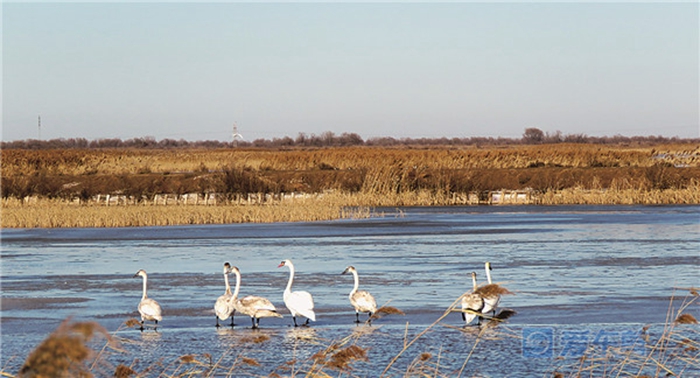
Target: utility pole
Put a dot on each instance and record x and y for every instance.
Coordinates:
(236, 135)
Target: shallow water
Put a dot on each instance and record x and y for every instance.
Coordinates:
(585, 269)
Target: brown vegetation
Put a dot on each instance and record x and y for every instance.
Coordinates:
(65, 352)
(361, 176)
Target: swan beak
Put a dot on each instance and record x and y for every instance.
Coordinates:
(345, 271)
(281, 264)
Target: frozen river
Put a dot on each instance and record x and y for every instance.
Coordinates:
(574, 270)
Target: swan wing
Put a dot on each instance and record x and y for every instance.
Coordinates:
(150, 310)
(491, 303)
(491, 294)
(363, 301)
(223, 306)
(472, 304)
(258, 307)
(300, 302)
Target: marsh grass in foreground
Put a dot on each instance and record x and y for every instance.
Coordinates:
(675, 351)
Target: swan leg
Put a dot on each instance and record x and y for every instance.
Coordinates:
(252, 319)
(464, 316)
(295, 321)
(307, 322)
(141, 328)
(217, 322)
(357, 317)
(257, 323)
(231, 320)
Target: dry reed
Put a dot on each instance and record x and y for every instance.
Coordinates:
(56, 213)
(343, 177)
(675, 353)
(65, 352)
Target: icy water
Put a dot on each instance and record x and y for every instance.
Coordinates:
(583, 276)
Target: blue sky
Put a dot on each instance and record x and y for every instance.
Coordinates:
(190, 70)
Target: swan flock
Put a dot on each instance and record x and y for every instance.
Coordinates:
(480, 302)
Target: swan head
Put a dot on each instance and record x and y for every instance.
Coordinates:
(488, 266)
(141, 273)
(286, 262)
(227, 267)
(349, 269)
(234, 269)
(473, 275)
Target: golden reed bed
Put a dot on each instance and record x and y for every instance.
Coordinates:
(56, 213)
(344, 182)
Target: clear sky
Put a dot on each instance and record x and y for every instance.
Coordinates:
(402, 69)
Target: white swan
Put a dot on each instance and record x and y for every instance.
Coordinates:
(148, 308)
(472, 303)
(223, 306)
(490, 301)
(362, 300)
(255, 307)
(298, 302)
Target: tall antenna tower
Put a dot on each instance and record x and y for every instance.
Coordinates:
(39, 125)
(236, 135)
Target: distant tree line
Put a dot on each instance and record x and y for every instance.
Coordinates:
(329, 139)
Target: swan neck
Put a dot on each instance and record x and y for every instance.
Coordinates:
(357, 282)
(488, 275)
(238, 284)
(474, 285)
(291, 278)
(228, 286)
(145, 291)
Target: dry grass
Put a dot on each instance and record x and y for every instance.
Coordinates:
(56, 213)
(134, 161)
(342, 177)
(65, 353)
(675, 353)
(46, 213)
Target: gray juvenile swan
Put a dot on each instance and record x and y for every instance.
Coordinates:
(255, 307)
(298, 302)
(361, 300)
(223, 306)
(148, 308)
(472, 303)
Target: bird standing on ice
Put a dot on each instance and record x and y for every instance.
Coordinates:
(361, 300)
(491, 299)
(148, 308)
(298, 302)
(223, 306)
(472, 303)
(255, 307)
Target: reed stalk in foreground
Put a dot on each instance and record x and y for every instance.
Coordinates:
(674, 354)
(65, 353)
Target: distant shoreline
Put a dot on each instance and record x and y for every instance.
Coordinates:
(148, 187)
